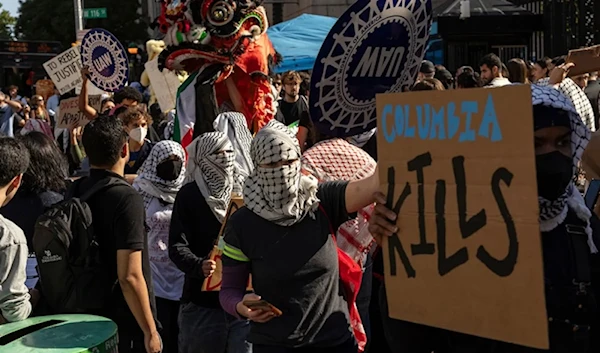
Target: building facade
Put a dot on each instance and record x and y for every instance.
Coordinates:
(283, 10)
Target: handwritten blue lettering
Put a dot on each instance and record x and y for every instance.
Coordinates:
(468, 108)
(490, 118)
(424, 121)
(427, 122)
(389, 136)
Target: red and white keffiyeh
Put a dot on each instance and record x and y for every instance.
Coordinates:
(337, 159)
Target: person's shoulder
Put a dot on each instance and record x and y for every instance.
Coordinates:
(119, 192)
(10, 233)
(243, 216)
(334, 186)
(190, 192)
(190, 187)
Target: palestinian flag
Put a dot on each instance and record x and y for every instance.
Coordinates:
(185, 115)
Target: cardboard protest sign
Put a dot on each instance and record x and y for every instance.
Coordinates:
(585, 60)
(65, 70)
(458, 168)
(164, 84)
(213, 283)
(106, 58)
(375, 47)
(69, 113)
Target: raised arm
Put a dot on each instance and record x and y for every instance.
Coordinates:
(359, 193)
(15, 105)
(84, 106)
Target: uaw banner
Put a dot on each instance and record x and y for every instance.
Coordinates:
(106, 59)
(458, 168)
(375, 47)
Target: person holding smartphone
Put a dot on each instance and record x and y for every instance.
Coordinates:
(283, 237)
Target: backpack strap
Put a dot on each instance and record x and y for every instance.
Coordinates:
(102, 185)
(305, 100)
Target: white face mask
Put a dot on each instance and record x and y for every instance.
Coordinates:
(138, 134)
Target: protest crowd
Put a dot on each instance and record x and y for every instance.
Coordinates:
(271, 235)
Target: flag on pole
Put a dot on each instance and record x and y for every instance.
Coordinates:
(185, 116)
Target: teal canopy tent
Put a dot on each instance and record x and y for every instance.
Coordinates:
(299, 40)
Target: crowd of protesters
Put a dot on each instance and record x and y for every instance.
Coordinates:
(158, 209)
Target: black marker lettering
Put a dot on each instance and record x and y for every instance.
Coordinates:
(394, 243)
(445, 264)
(505, 267)
(475, 223)
(418, 164)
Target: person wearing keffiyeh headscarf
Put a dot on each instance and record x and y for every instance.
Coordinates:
(233, 125)
(159, 179)
(282, 194)
(338, 159)
(162, 174)
(284, 235)
(200, 209)
(569, 234)
(211, 166)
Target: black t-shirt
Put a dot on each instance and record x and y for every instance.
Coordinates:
(296, 269)
(292, 112)
(194, 229)
(118, 217)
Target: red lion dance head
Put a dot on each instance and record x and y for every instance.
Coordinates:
(226, 44)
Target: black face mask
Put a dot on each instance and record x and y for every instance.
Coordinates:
(554, 173)
(169, 170)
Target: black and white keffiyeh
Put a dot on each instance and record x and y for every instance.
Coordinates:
(282, 194)
(233, 124)
(553, 213)
(580, 101)
(149, 184)
(210, 165)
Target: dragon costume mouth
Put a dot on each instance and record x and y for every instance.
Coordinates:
(191, 57)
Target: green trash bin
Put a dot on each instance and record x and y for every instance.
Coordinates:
(60, 333)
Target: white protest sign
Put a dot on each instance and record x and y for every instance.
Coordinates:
(164, 84)
(69, 112)
(65, 70)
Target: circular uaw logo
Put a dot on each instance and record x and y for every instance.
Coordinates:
(376, 46)
(106, 58)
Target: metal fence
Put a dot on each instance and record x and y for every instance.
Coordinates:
(568, 24)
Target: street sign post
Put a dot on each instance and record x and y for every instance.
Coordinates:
(94, 13)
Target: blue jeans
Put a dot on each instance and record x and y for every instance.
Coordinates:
(207, 330)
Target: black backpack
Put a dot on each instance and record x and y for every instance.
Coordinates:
(71, 270)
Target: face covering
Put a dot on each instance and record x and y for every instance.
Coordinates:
(169, 170)
(554, 173)
(138, 134)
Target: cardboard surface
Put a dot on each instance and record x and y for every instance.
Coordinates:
(68, 111)
(164, 84)
(213, 283)
(483, 277)
(65, 70)
(585, 60)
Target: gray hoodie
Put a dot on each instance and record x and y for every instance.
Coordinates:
(14, 295)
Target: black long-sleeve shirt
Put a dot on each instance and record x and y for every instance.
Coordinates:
(194, 229)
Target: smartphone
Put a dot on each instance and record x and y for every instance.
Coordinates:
(591, 196)
(262, 305)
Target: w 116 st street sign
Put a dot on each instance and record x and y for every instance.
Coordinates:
(95, 13)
